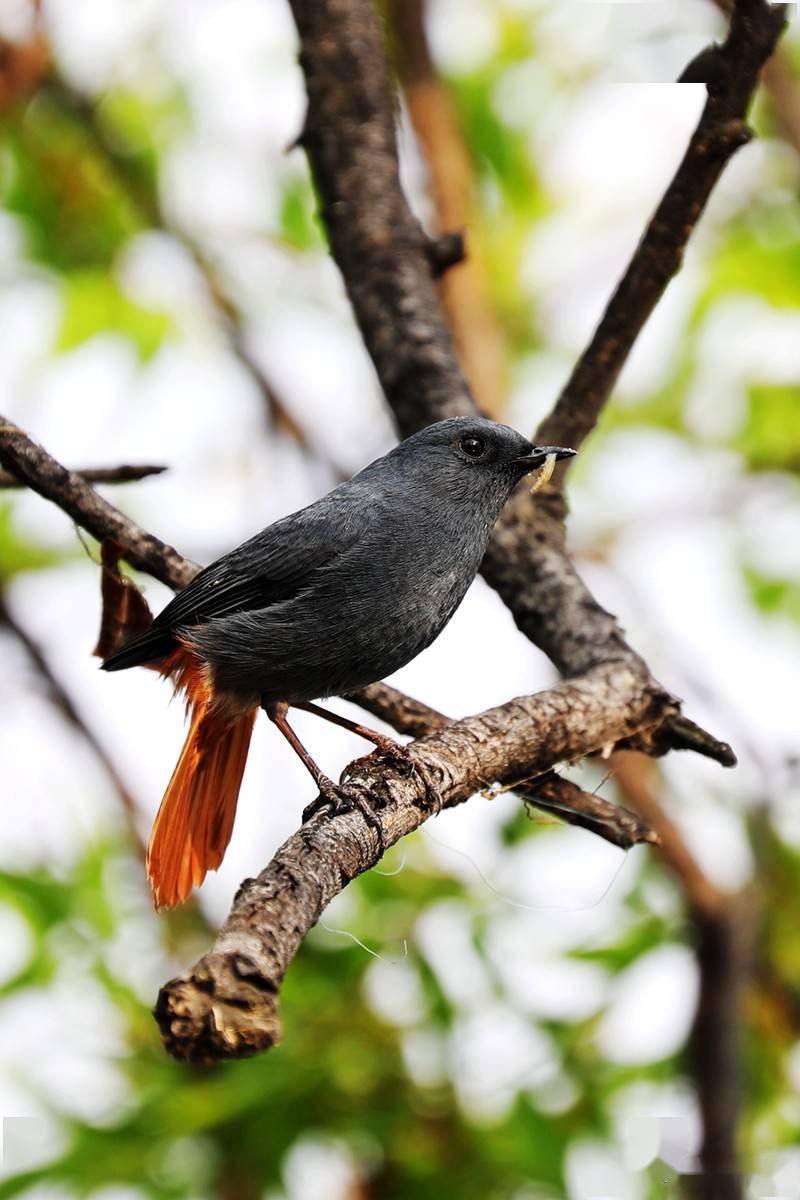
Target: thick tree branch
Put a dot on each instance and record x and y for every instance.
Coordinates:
(226, 1005)
(38, 470)
(548, 791)
(380, 249)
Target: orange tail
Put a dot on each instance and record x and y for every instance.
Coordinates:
(194, 823)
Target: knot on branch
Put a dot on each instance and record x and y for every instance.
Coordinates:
(446, 251)
(708, 67)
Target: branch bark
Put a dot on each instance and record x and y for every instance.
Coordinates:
(38, 470)
(547, 791)
(226, 1005)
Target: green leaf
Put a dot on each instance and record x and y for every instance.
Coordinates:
(94, 303)
(299, 225)
(770, 435)
(21, 554)
(774, 596)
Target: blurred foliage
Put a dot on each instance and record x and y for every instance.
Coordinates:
(94, 303)
(82, 177)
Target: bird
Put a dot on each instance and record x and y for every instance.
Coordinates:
(324, 601)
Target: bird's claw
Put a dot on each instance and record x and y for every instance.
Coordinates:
(337, 798)
(433, 797)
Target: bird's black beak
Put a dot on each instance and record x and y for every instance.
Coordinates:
(540, 453)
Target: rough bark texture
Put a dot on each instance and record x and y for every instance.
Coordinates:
(226, 1005)
(547, 791)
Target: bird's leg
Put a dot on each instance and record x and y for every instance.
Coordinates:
(331, 795)
(394, 751)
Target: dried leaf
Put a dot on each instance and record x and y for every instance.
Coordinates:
(125, 610)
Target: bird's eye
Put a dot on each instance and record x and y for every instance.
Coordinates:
(473, 447)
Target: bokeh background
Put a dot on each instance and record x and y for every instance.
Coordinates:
(502, 1010)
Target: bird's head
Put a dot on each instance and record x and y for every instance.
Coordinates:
(472, 454)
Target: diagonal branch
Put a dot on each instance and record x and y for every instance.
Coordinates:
(226, 1005)
(547, 791)
(731, 73)
(38, 470)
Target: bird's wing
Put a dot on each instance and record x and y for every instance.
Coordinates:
(271, 567)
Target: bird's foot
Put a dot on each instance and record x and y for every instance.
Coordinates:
(433, 797)
(397, 755)
(336, 798)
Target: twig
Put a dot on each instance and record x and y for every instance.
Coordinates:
(38, 470)
(730, 72)
(122, 474)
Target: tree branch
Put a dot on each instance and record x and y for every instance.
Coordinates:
(38, 470)
(518, 741)
(548, 791)
(379, 247)
(226, 1005)
(730, 73)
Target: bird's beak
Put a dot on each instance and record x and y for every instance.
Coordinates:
(540, 453)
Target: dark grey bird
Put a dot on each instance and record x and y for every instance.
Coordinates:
(324, 601)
